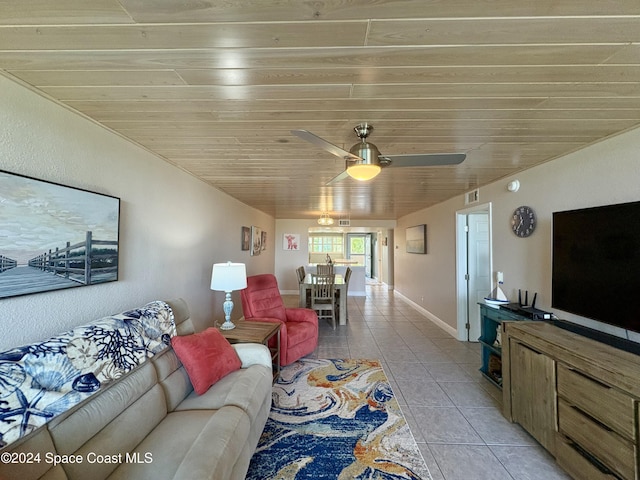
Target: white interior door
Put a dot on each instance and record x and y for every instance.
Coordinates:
(473, 267)
(479, 269)
(367, 257)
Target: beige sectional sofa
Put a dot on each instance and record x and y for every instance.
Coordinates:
(150, 424)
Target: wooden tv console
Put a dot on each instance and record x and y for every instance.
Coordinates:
(576, 396)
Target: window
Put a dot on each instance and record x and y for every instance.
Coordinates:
(356, 245)
(331, 244)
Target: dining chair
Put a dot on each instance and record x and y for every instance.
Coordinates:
(324, 269)
(301, 274)
(323, 299)
(339, 294)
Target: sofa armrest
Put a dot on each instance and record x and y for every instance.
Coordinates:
(301, 315)
(253, 354)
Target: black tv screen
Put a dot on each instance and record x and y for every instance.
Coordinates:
(596, 263)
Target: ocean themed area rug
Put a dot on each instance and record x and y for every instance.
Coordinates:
(336, 419)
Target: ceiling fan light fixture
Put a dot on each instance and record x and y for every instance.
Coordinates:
(363, 161)
(367, 165)
(363, 172)
(325, 220)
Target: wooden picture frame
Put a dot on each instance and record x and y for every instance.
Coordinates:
(55, 236)
(245, 239)
(416, 239)
(256, 240)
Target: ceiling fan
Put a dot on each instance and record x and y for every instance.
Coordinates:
(364, 161)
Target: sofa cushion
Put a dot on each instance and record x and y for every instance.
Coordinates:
(245, 389)
(39, 441)
(207, 356)
(181, 316)
(190, 445)
(173, 377)
(117, 438)
(215, 453)
(80, 424)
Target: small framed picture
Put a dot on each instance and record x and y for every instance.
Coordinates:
(245, 240)
(256, 240)
(291, 241)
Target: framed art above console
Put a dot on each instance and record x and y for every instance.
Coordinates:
(55, 237)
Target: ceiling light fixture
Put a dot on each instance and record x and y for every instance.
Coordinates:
(368, 165)
(363, 172)
(325, 219)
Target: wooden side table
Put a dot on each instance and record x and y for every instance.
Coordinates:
(257, 332)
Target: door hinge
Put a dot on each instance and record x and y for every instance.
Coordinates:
(467, 326)
(466, 277)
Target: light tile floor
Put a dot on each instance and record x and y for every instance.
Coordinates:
(454, 413)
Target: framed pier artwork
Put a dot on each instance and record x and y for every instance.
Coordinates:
(54, 236)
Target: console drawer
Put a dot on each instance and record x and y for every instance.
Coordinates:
(609, 406)
(577, 465)
(607, 446)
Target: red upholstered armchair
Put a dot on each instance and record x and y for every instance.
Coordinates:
(261, 302)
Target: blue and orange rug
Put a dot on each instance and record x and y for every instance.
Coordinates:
(336, 419)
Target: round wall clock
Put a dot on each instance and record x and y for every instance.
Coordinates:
(523, 222)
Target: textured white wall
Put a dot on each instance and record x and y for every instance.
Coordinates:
(604, 173)
(173, 227)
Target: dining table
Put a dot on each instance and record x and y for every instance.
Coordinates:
(339, 285)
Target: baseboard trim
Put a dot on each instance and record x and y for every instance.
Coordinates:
(445, 326)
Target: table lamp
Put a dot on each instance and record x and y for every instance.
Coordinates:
(228, 277)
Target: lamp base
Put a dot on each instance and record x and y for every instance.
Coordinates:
(227, 306)
(228, 325)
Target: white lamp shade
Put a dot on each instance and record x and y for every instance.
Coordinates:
(228, 277)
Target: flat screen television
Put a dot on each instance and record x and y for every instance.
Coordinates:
(596, 264)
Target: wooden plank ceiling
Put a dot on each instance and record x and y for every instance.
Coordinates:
(215, 87)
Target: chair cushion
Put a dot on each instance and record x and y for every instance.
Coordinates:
(262, 298)
(298, 333)
(207, 356)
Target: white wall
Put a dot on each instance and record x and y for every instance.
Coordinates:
(173, 227)
(286, 261)
(604, 173)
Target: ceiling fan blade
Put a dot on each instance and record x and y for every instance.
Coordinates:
(425, 159)
(338, 178)
(322, 143)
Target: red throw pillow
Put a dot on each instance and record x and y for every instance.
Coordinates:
(207, 357)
